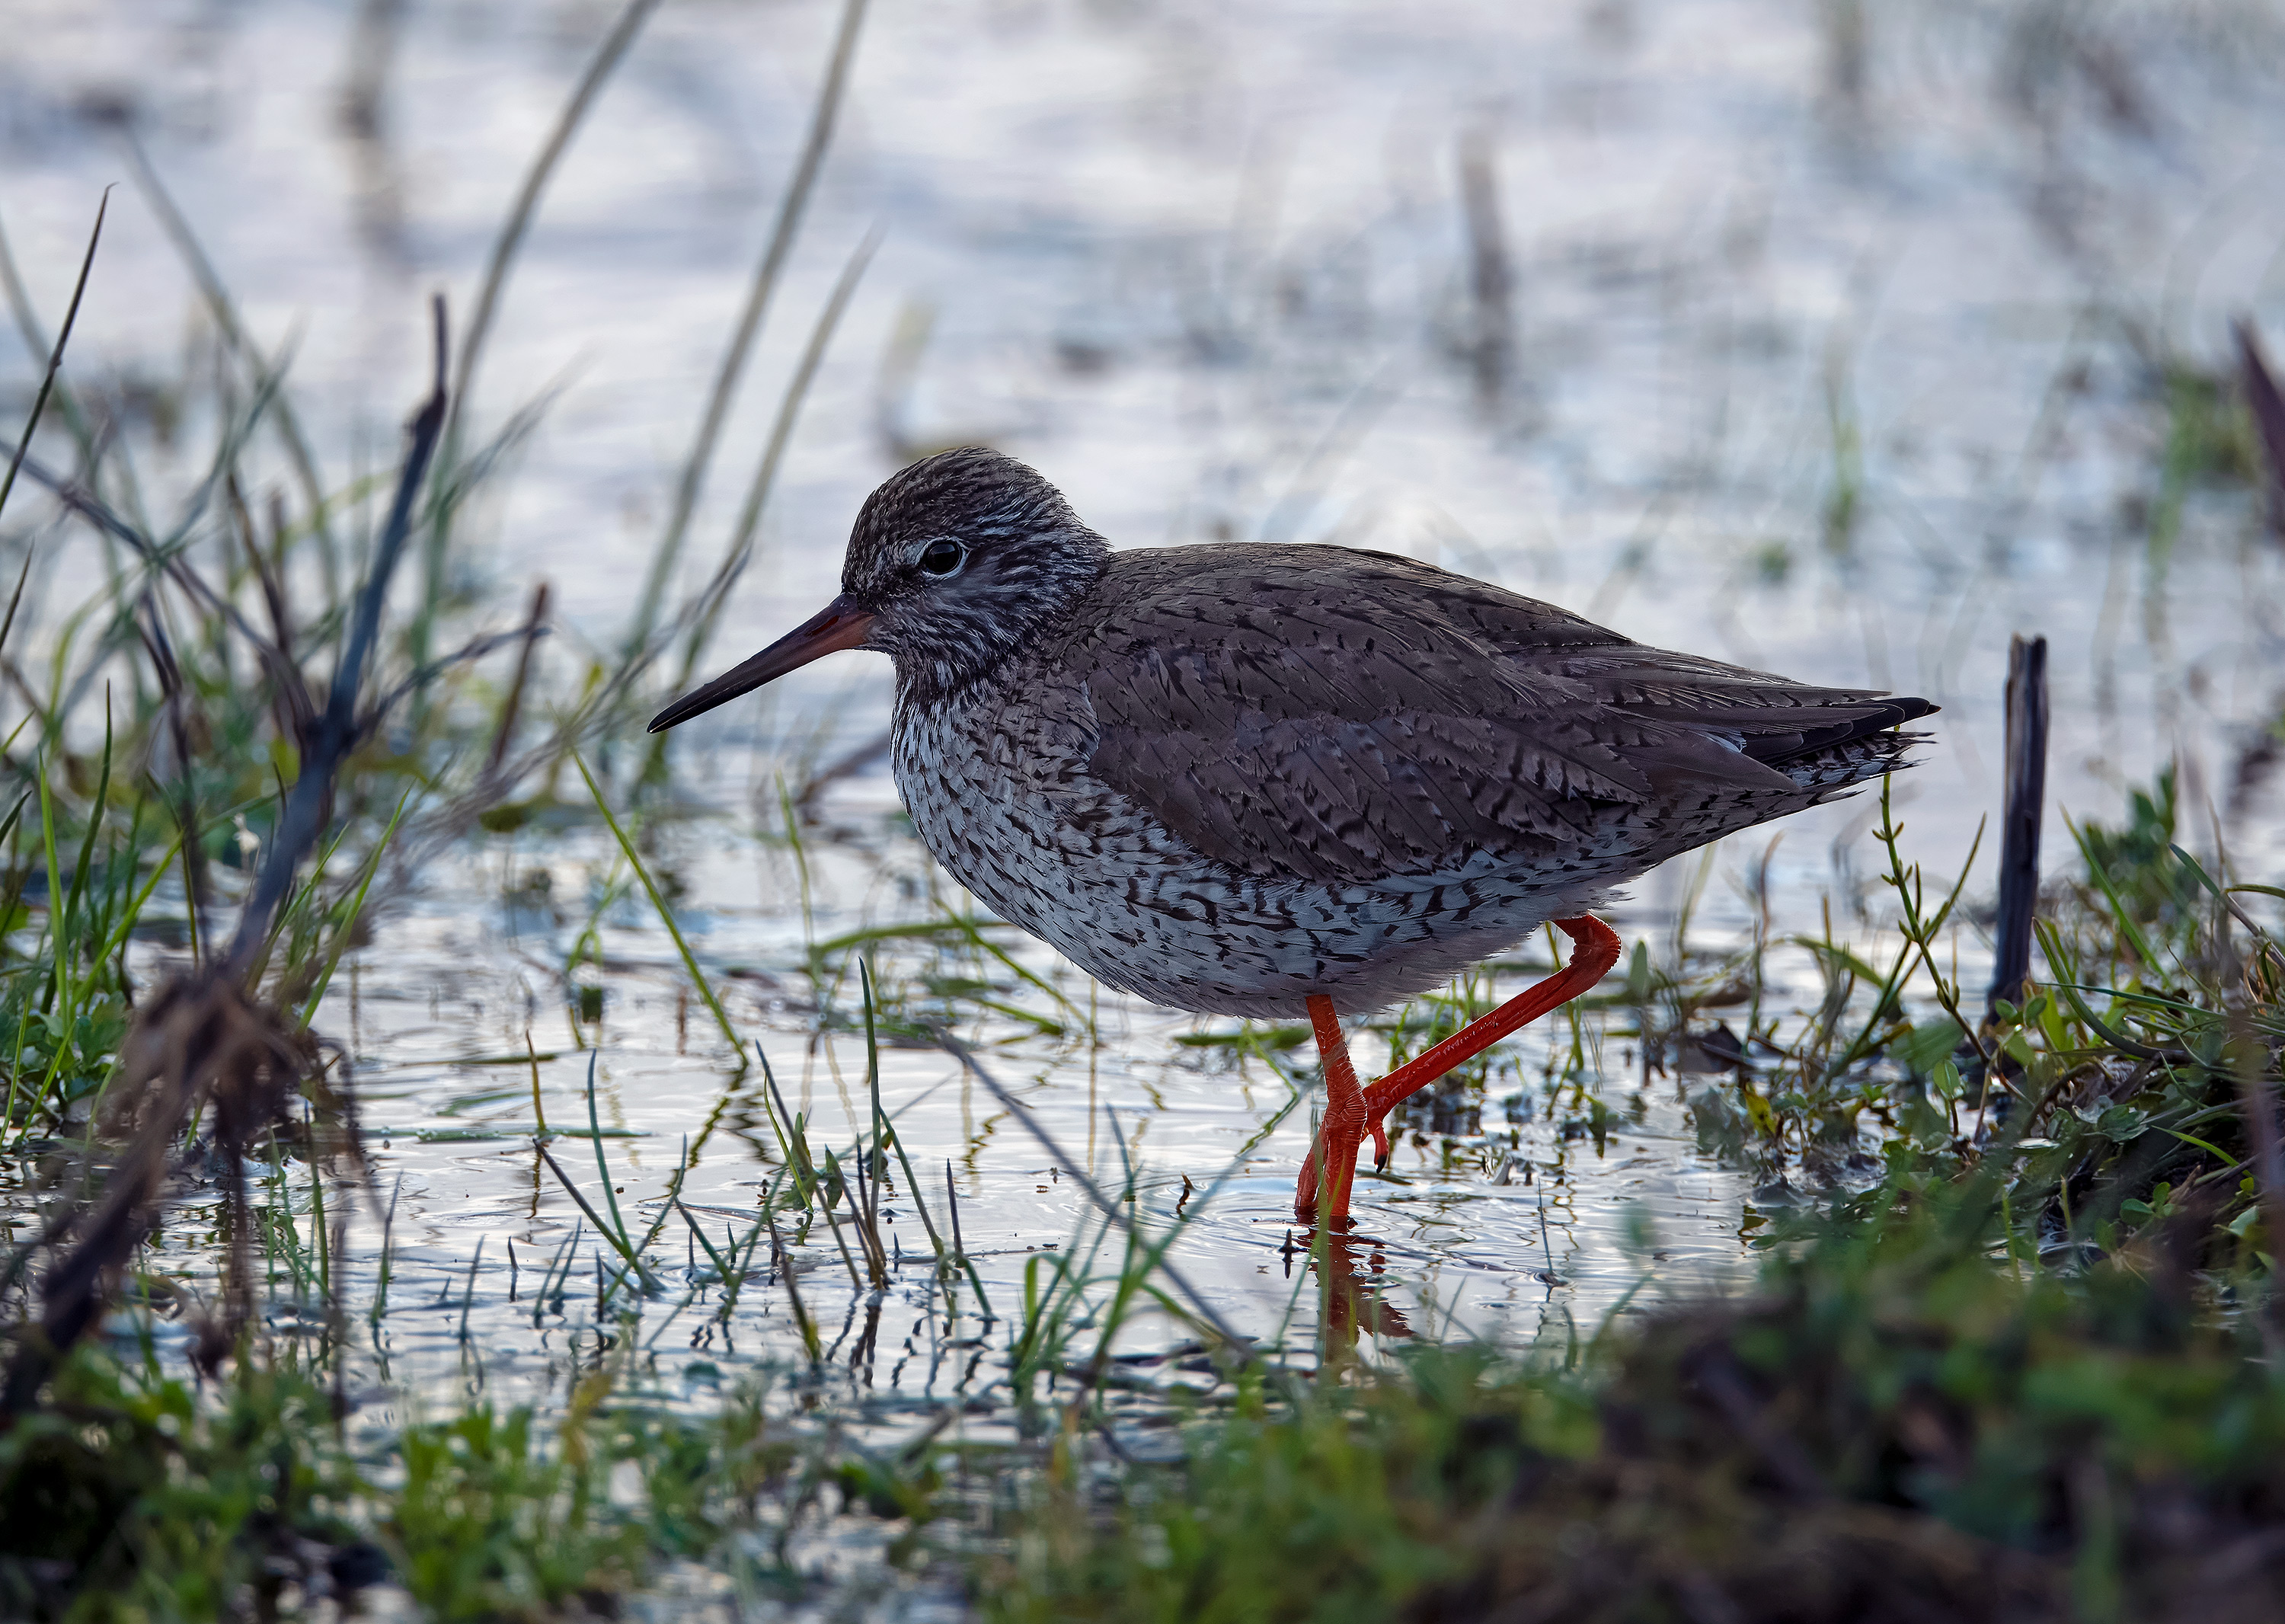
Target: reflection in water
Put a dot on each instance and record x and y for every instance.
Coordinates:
(1352, 1299)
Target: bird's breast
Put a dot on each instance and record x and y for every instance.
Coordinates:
(1001, 794)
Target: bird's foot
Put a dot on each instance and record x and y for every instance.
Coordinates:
(1330, 1168)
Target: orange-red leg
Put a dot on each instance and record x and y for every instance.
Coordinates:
(1352, 1112)
(1331, 1167)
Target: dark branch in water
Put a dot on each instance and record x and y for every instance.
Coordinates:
(1491, 277)
(2268, 405)
(2027, 794)
(337, 731)
(205, 1043)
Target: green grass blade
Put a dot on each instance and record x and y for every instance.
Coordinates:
(721, 1264)
(61, 998)
(739, 550)
(603, 1167)
(118, 937)
(2123, 920)
(617, 1241)
(356, 907)
(665, 914)
(94, 816)
(720, 398)
(505, 246)
(47, 379)
(881, 1124)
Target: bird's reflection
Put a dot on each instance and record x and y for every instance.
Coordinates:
(1348, 1272)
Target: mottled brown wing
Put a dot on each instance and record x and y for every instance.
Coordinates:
(1323, 714)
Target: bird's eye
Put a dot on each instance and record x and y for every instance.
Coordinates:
(943, 557)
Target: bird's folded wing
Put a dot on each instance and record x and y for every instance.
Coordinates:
(1357, 724)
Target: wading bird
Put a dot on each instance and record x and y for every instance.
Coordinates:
(1282, 780)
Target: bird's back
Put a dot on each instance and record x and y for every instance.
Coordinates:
(1232, 775)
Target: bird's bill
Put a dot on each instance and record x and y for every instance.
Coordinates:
(837, 626)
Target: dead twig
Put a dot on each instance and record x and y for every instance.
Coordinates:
(204, 1045)
(327, 743)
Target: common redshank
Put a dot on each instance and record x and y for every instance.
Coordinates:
(1272, 781)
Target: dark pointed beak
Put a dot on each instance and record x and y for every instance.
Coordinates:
(837, 626)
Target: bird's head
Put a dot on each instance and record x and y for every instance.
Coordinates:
(954, 564)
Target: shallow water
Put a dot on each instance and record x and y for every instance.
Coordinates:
(447, 1031)
(1846, 383)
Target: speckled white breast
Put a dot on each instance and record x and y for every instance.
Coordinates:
(1001, 795)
